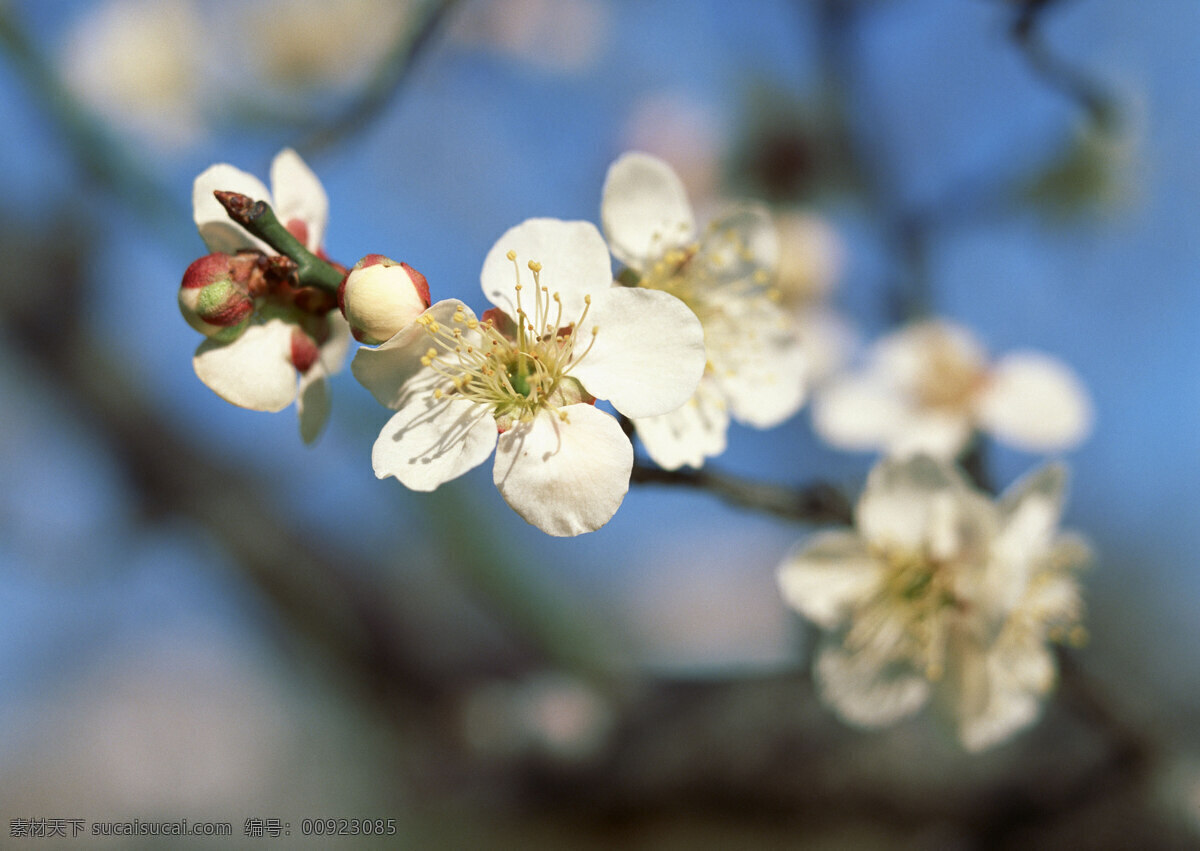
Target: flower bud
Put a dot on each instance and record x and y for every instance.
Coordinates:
(214, 297)
(381, 297)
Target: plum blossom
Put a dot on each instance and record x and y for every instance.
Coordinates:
(755, 365)
(941, 594)
(928, 386)
(812, 258)
(297, 48)
(556, 36)
(135, 63)
(522, 380)
(295, 338)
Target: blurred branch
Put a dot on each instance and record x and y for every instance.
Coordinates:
(816, 503)
(393, 70)
(565, 636)
(1091, 96)
(906, 232)
(1123, 769)
(97, 151)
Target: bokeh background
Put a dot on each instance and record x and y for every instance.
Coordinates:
(203, 619)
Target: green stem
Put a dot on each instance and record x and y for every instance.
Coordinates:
(260, 220)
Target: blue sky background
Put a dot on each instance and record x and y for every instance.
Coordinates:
(478, 141)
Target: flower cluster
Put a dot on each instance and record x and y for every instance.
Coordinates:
(941, 594)
(756, 366)
(270, 341)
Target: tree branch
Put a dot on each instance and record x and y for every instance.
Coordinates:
(816, 503)
(393, 71)
(257, 217)
(1091, 96)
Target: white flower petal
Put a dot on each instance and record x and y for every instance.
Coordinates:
(1053, 596)
(333, 350)
(313, 403)
(254, 371)
(1036, 403)
(574, 262)
(386, 369)
(867, 690)
(759, 362)
(909, 504)
(645, 210)
(812, 257)
(907, 356)
(826, 576)
(1016, 675)
(741, 243)
(566, 478)
(942, 434)
(858, 413)
(1031, 508)
(299, 195)
(648, 352)
(431, 441)
(828, 341)
(689, 434)
(216, 228)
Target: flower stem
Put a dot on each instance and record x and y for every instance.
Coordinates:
(259, 219)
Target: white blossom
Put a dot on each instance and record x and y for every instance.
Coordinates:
(942, 594)
(286, 355)
(523, 379)
(558, 36)
(812, 258)
(928, 386)
(135, 63)
(756, 368)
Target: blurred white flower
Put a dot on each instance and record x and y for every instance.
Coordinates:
(547, 714)
(927, 386)
(756, 367)
(565, 36)
(811, 257)
(136, 63)
(682, 131)
(941, 593)
(319, 45)
(530, 371)
(811, 262)
(286, 354)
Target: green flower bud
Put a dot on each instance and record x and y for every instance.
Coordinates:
(214, 297)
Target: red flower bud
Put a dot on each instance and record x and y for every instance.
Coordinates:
(214, 296)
